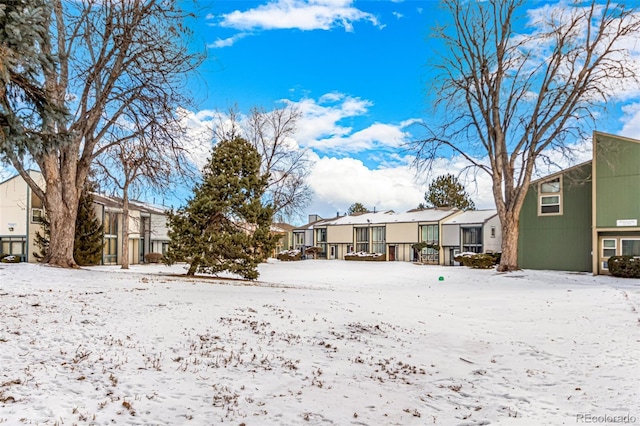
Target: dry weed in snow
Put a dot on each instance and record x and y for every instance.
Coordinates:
(316, 342)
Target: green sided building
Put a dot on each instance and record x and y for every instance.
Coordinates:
(574, 220)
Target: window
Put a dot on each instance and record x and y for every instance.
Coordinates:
(111, 223)
(472, 239)
(550, 197)
(321, 241)
(298, 239)
(14, 245)
(110, 251)
(429, 234)
(362, 239)
(36, 215)
(630, 247)
(378, 238)
(608, 248)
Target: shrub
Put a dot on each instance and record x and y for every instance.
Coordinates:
(153, 257)
(624, 266)
(313, 251)
(9, 258)
(289, 255)
(478, 260)
(365, 257)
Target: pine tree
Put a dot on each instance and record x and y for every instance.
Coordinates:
(357, 208)
(88, 242)
(42, 240)
(447, 191)
(225, 226)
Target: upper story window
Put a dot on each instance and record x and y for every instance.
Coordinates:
(429, 234)
(550, 197)
(110, 223)
(36, 215)
(321, 235)
(362, 239)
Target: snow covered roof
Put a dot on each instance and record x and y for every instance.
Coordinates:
(427, 215)
(471, 216)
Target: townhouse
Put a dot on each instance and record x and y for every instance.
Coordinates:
(398, 236)
(577, 218)
(21, 213)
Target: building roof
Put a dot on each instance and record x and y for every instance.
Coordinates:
(560, 172)
(284, 226)
(471, 217)
(426, 215)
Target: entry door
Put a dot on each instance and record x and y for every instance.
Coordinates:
(332, 252)
(392, 253)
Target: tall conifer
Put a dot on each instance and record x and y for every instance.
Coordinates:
(225, 226)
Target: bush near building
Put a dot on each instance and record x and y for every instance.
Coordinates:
(153, 257)
(9, 258)
(366, 257)
(289, 255)
(478, 260)
(624, 266)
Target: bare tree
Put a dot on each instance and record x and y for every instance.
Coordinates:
(150, 161)
(113, 59)
(509, 97)
(288, 166)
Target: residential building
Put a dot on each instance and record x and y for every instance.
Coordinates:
(577, 218)
(388, 233)
(20, 216)
(21, 212)
(475, 231)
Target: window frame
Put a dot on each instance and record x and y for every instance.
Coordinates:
(378, 245)
(362, 235)
(627, 239)
(604, 265)
(32, 218)
(542, 195)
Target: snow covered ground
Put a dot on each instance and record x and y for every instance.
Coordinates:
(317, 342)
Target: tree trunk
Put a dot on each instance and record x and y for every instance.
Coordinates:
(61, 204)
(125, 231)
(193, 267)
(510, 232)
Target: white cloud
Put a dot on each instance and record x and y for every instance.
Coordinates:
(227, 42)
(631, 119)
(340, 182)
(398, 15)
(320, 127)
(199, 135)
(299, 14)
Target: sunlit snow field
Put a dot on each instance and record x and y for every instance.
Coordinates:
(316, 342)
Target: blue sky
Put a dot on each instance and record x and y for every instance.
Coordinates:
(359, 72)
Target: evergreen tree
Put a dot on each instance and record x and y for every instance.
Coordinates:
(225, 226)
(42, 240)
(88, 242)
(357, 208)
(447, 191)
